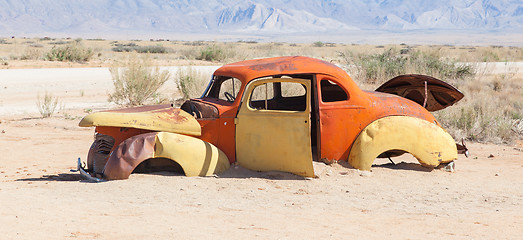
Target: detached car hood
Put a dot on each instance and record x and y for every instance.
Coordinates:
(162, 118)
(439, 94)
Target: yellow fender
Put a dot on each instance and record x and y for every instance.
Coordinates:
(195, 156)
(426, 141)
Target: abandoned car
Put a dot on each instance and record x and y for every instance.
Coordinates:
(275, 114)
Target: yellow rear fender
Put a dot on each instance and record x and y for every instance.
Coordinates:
(426, 141)
(195, 156)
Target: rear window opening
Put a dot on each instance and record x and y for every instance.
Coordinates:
(332, 92)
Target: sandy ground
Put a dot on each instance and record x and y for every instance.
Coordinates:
(40, 198)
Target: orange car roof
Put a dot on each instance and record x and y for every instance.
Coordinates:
(252, 69)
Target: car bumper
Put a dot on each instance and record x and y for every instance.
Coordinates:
(81, 168)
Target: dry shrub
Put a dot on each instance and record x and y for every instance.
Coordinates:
(46, 105)
(190, 82)
(136, 81)
(380, 67)
(31, 54)
(492, 110)
(132, 47)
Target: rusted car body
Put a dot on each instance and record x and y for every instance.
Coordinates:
(276, 114)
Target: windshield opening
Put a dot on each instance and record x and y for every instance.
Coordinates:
(224, 88)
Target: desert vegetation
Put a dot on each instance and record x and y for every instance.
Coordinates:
(136, 80)
(73, 52)
(380, 67)
(190, 82)
(46, 104)
(20, 52)
(491, 111)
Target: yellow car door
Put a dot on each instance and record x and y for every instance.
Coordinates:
(273, 126)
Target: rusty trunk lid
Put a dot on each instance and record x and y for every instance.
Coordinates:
(162, 118)
(427, 91)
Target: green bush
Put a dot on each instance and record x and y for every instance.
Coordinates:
(70, 53)
(212, 53)
(318, 44)
(136, 81)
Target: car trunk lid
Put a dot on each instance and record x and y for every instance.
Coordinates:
(429, 92)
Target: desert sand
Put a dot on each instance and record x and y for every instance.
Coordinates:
(40, 198)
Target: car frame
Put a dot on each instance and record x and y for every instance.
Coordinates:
(276, 114)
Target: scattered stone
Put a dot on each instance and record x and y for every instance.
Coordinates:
(365, 173)
(491, 156)
(496, 175)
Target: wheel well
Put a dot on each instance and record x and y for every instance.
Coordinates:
(159, 165)
(392, 135)
(392, 153)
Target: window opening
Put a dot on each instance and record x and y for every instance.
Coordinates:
(282, 96)
(332, 92)
(228, 89)
(223, 88)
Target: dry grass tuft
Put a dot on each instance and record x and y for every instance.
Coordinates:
(46, 105)
(492, 110)
(190, 82)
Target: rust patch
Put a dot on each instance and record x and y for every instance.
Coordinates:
(171, 115)
(281, 66)
(131, 152)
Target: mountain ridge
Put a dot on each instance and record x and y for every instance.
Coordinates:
(255, 17)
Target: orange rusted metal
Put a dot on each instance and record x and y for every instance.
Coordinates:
(340, 122)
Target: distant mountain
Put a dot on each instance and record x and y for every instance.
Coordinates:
(255, 17)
